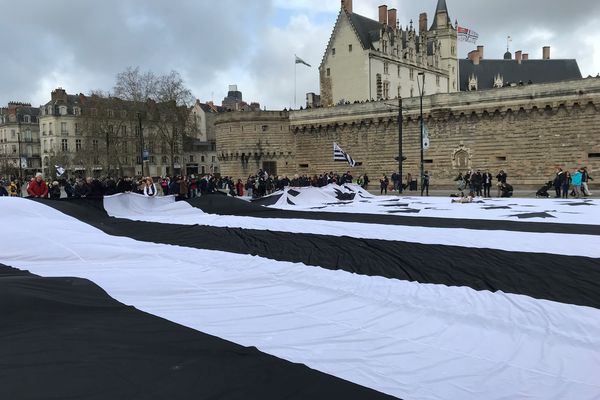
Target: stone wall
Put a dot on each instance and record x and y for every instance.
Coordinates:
(528, 131)
(248, 140)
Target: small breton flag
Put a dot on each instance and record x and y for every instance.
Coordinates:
(59, 170)
(301, 61)
(467, 35)
(341, 155)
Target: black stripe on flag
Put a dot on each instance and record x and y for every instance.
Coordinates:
(565, 279)
(67, 338)
(341, 155)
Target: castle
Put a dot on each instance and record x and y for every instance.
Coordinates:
(524, 116)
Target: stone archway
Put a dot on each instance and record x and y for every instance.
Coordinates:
(461, 158)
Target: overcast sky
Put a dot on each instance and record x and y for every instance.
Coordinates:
(81, 45)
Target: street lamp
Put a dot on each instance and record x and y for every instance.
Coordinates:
(141, 141)
(19, 142)
(400, 157)
(421, 93)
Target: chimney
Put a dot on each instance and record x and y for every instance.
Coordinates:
(422, 23)
(383, 15)
(519, 56)
(546, 53)
(392, 17)
(480, 51)
(347, 5)
(525, 56)
(474, 57)
(59, 95)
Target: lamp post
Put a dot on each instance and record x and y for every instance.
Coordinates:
(19, 142)
(141, 141)
(400, 155)
(421, 92)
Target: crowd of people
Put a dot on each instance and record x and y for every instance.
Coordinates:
(575, 184)
(476, 183)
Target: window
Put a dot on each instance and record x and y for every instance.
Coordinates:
(333, 51)
(110, 113)
(427, 161)
(399, 71)
(412, 92)
(26, 119)
(384, 46)
(386, 90)
(411, 74)
(63, 128)
(13, 134)
(124, 131)
(214, 158)
(594, 155)
(502, 158)
(265, 128)
(386, 68)
(50, 128)
(44, 129)
(349, 48)
(62, 110)
(328, 72)
(95, 145)
(77, 144)
(165, 160)
(14, 149)
(379, 86)
(64, 145)
(191, 158)
(437, 80)
(45, 146)
(77, 111)
(303, 166)
(77, 129)
(201, 158)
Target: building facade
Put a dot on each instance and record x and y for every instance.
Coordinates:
(527, 131)
(369, 60)
(98, 136)
(19, 140)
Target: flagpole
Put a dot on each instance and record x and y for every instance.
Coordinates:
(295, 69)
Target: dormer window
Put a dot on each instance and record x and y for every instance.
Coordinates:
(76, 111)
(26, 119)
(62, 110)
(333, 51)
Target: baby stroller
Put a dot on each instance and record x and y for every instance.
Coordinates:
(543, 192)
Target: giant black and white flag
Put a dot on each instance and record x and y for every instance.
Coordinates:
(328, 293)
(341, 155)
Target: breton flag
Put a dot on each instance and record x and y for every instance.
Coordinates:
(370, 297)
(467, 35)
(341, 155)
(301, 61)
(59, 170)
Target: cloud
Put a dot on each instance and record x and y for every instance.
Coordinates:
(82, 45)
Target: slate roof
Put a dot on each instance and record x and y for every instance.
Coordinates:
(441, 7)
(367, 29)
(536, 71)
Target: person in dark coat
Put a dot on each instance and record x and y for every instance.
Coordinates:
(425, 184)
(558, 182)
(110, 186)
(54, 191)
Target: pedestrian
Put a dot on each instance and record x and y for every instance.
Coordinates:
(487, 184)
(37, 187)
(501, 178)
(3, 191)
(383, 184)
(559, 181)
(150, 189)
(584, 182)
(566, 184)
(54, 191)
(576, 182)
(425, 184)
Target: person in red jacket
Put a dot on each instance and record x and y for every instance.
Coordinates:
(37, 187)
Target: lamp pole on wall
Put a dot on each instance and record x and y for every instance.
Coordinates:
(141, 141)
(421, 93)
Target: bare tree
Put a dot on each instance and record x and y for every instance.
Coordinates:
(165, 100)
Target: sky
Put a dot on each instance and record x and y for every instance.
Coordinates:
(81, 45)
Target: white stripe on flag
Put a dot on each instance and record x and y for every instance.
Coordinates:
(341, 155)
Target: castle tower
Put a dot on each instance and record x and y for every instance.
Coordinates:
(445, 32)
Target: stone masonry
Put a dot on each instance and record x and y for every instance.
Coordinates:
(528, 131)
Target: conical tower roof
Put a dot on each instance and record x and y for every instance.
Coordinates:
(441, 8)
